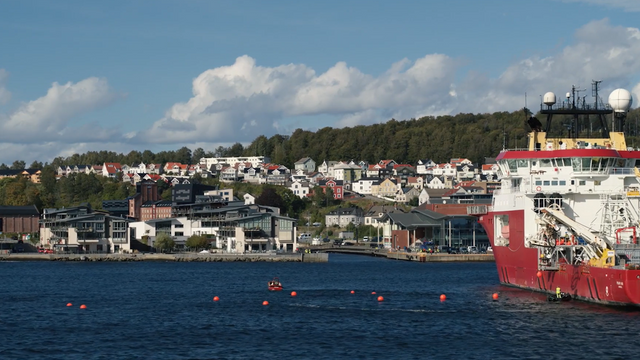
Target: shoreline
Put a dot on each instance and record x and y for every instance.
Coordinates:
(308, 258)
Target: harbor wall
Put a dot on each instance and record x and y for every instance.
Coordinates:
(168, 257)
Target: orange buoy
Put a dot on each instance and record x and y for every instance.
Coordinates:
(69, 304)
(380, 298)
(265, 303)
(353, 292)
(495, 296)
(443, 297)
(373, 293)
(293, 293)
(215, 298)
(539, 274)
(83, 306)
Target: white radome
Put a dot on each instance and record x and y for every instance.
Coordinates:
(549, 98)
(620, 100)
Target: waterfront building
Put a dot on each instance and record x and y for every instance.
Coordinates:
(232, 226)
(81, 229)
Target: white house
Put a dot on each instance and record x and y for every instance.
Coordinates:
(249, 199)
(423, 165)
(300, 189)
(364, 185)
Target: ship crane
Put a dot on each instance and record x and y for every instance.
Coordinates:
(552, 216)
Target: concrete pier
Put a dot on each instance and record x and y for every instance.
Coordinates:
(189, 257)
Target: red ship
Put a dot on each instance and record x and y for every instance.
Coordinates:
(567, 213)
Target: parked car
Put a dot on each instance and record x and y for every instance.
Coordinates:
(452, 250)
(472, 249)
(464, 250)
(489, 250)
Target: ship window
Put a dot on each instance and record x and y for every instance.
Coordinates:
(620, 163)
(582, 182)
(546, 183)
(545, 162)
(562, 183)
(567, 161)
(512, 165)
(523, 163)
(575, 162)
(596, 182)
(533, 163)
(538, 182)
(573, 182)
(595, 164)
(501, 237)
(554, 182)
(586, 164)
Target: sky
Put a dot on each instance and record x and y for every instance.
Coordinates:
(118, 75)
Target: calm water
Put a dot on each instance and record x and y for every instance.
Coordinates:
(165, 311)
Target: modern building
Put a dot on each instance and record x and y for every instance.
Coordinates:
(232, 226)
(79, 229)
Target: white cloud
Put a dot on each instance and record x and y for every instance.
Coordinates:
(5, 95)
(244, 100)
(48, 117)
(626, 5)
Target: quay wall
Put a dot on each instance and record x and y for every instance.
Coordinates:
(423, 257)
(168, 257)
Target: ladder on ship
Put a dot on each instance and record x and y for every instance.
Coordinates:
(617, 213)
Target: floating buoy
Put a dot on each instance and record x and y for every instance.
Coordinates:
(215, 298)
(495, 296)
(293, 293)
(69, 304)
(265, 303)
(539, 274)
(380, 298)
(443, 297)
(83, 306)
(373, 293)
(353, 292)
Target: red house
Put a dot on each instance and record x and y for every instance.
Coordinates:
(336, 185)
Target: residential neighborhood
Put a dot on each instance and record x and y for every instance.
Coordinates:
(439, 194)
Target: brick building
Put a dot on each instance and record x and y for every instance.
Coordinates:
(19, 219)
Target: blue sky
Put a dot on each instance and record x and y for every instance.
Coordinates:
(135, 75)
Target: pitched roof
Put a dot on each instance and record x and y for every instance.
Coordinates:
(30, 210)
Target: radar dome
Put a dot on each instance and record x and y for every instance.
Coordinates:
(549, 98)
(620, 100)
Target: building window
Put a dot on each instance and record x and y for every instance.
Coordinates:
(179, 233)
(179, 226)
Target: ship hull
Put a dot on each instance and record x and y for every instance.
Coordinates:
(517, 266)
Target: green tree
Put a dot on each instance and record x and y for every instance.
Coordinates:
(197, 242)
(164, 242)
(36, 165)
(4, 166)
(18, 165)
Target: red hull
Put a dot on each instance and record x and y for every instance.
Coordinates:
(275, 288)
(518, 266)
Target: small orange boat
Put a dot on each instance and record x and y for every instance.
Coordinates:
(275, 284)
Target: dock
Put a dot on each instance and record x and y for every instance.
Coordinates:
(402, 255)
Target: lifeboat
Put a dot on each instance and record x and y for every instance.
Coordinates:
(275, 285)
